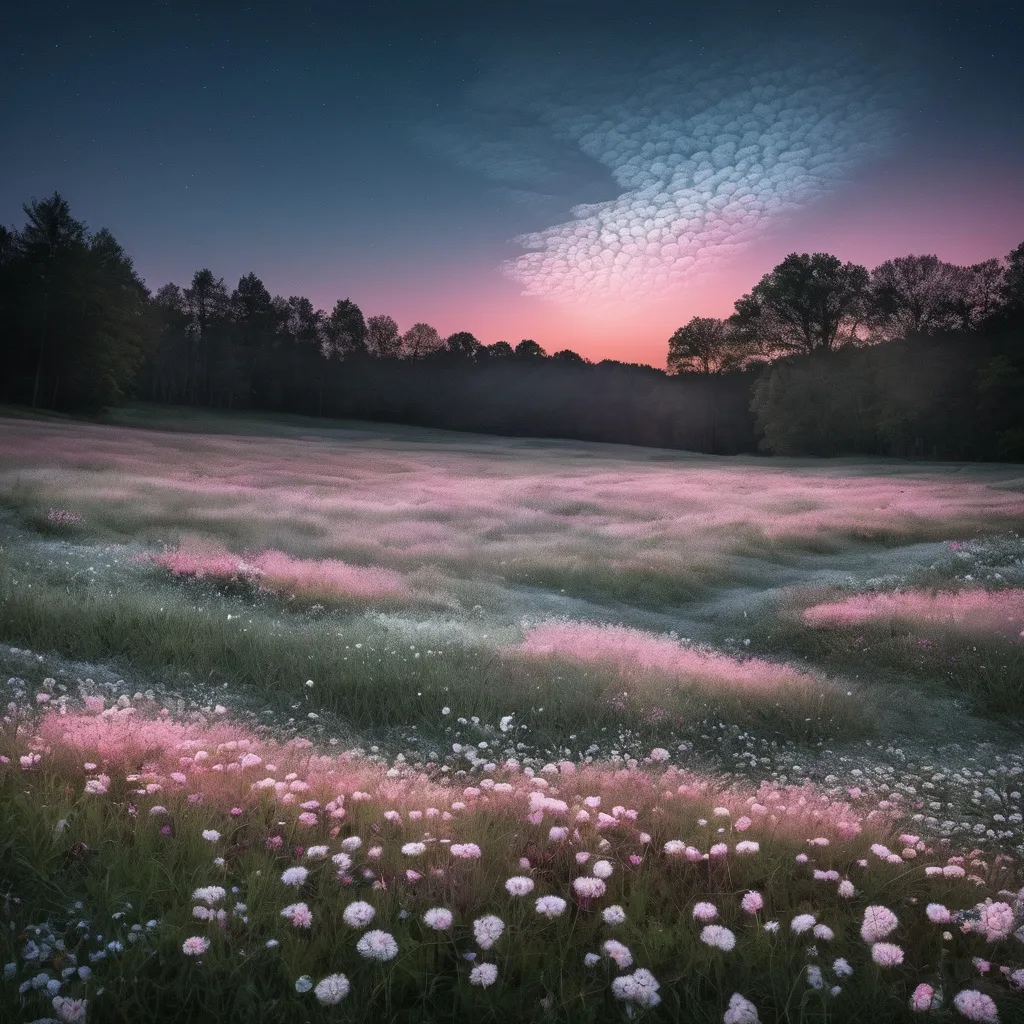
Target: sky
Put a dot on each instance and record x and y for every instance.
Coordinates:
(588, 174)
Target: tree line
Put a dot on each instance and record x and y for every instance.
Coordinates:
(917, 357)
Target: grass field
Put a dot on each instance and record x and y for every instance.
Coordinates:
(583, 690)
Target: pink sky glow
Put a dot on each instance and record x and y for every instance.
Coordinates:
(889, 213)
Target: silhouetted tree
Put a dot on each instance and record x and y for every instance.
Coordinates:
(1011, 289)
(207, 304)
(912, 295)
(166, 367)
(52, 246)
(255, 325)
(463, 345)
(977, 299)
(566, 355)
(419, 341)
(345, 331)
(529, 349)
(76, 316)
(116, 328)
(499, 350)
(806, 304)
(382, 338)
(8, 245)
(303, 341)
(706, 345)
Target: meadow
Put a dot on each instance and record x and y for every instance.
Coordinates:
(312, 720)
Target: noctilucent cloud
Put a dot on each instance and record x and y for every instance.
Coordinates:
(589, 175)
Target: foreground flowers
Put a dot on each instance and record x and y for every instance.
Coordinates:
(378, 945)
(577, 862)
(331, 990)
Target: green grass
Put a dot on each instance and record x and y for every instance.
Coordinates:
(984, 671)
(266, 652)
(109, 869)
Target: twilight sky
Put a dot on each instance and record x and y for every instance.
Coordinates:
(586, 174)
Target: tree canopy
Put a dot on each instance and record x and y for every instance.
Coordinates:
(808, 303)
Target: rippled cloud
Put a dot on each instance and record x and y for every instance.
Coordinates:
(705, 155)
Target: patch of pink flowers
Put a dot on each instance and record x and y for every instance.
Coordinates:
(278, 572)
(971, 611)
(635, 650)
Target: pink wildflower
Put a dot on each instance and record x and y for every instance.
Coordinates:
(377, 945)
(487, 930)
(718, 936)
(550, 906)
(886, 954)
(878, 923)
(483, 975)
(618, 952)
(921, 998)
(298, 914)
(741, 1011)
(995, 921)
(705, 912)
(752, 902)
(589, 888)
(975, 1005)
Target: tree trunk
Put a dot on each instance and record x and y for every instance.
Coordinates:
(42, 345)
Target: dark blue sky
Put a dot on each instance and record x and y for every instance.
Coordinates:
(585, 174)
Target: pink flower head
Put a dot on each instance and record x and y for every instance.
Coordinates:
(483, 975)
(618, 952)
(377, 945)
(975, 1005)
(298, 914)
(995, 921)
(589, 888)
(550, 906)
(294, 876)
(886, 954)
(921, 998)
(70, 1011)
(741, 1011)
(878, 923)
(752, 902)
(705, 912)
(718, 936)
(438, 918)
(195, 946)
(487, 930)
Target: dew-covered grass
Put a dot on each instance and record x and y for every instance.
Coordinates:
(349, 654)
(189, 868)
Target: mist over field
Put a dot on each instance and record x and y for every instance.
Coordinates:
(437, 708)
